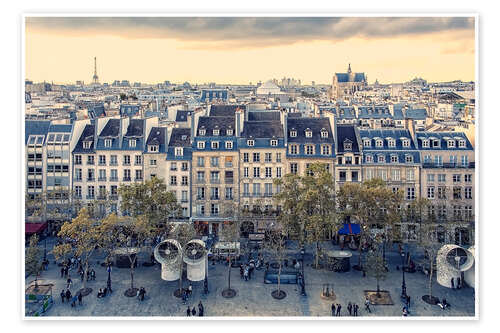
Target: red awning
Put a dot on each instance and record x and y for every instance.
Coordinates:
(32, 228)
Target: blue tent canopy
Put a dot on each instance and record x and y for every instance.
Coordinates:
(349, 229)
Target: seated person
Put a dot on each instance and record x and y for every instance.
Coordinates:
(443, 305)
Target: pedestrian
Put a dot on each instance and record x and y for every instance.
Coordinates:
(193, 311)
(109, 286)
(458, 282)
(92, 274)
(68, 295)
(367, 305)
(333, 309)
(66, 270)
(241, 271)
(63, 295)
(355, 310)
(62, 271)
(82, 274)
(80, 298)
(188, 311)
(245, 274)
(200, 309)
(190, 289)
(349, 308)
(452, 284)
(68, 282)
(405, 311)
(339, 307)
(73, 301)
(408, 301)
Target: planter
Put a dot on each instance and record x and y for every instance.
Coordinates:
(85, 291)
(278, 295)
(432, 300)
(228, 293)
(131, 292)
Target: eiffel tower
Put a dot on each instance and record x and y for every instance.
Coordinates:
(95, 78)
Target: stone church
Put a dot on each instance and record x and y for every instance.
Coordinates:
(346, 84)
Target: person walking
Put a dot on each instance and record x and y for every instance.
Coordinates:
(80, 298)
(92, 274)
(367, 305)
(333, 309)
(62, 271)
(339, 307)
(63, 295)
(241, 271)
(349, 308)
(188, 311)
(68, 283)
(458, 283)
(408, 302)
(193, 311)
(68, 295)
(452, 284)
(200, 309)
(245, 274)
(355, 308)
(190, 290)
(405, 312)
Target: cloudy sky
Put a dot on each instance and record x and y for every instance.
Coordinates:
(244, 49)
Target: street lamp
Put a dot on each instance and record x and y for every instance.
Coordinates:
(109, 277)
(403, 285)
(45, 250)
(303, 291)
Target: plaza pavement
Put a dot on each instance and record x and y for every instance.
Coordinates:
(253, 297)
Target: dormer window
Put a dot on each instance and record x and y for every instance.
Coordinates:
(379, 143)
(184, 137)
(202, 131)
(229, 145)
(406, 143)
(367, 143)
(274, 143)
(380, 158)
(132, 143)
(250, 143)
(394, 158)
(409, 158)
(179, 151)
(107, 143)
(215, 132)
(309, 133)
(324, 133)
(391, 143)
(201, 145)
(87, 144)
(425, 143)
(451, 143)
(229, 132)
(461, 144)
(348, 145)
(436, 143)
(215, 144)
(293, 133)
(152, 148)
(369, 159)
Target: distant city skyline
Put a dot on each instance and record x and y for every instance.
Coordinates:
(239, 50)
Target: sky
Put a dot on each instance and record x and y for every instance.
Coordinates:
(240, 50)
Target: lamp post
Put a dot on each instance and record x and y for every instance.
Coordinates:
(109, 277)
(45, 250)
(303, 291)
(403, 285)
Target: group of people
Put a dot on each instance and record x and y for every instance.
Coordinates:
(247, 270)
(443, 304)
(66, 295)
(103, 292)
(192, 312)
(352, 308)
(90, 274)
(458, 285)
(186, 293)
(141, 293)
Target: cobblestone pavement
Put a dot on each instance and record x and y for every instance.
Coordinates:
(253, 297)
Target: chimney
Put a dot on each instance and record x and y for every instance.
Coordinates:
(190, 120)
(239, 121)
(285, 129)
(410, 126)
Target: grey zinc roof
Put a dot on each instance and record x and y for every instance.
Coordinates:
(88, 132)
(294, 115)
(157, 136)
(35, 127)
(135, 127)
(211, 123)
(314, 124)
(112, 128)
(347, 132)
(182, 115)
(224, 110)
(180, 137)
(264, 116)
(262, 129)
(60, 128)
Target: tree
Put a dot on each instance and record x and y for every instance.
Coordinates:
(32, 262)
(132, 235)
(109, 229)
(317, 205)
(289, 199)
(85, 236)
(230, 233)
(275, 244)
(182, 233)
(375, 267)
(150, 199)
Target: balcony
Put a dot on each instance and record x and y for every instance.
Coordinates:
(214, 214)
(113, 197)
(200, 181)
(90, 179)
(102, 179)
(230, 197)
(214, 180)
(184, 184)
(268, 195)
(342, 179)
(101, 163)
(113, 179)
(173, 169)
(126, 179)
(247, 195)
(214, 197)
(470, 165)
(90, 197)
(138, 163)
(138, 179)
(126, 163)
(200, 197)
(101, 197)
(77, 179)
(229, 164)
(184, 200)
(228, 180)
(113, 163)
(185, 169)
(256, 195)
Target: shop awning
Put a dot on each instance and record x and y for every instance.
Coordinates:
(33, 228)
(349, 229)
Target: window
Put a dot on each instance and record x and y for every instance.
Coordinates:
(409, 158)
(138, 174)
(396, 175)
(152, 162)
(229, 193)
(324, 134)
(202, 131)
(294, 168)
(468, 178)
(410, 174)
(278, 172)
(406, 143)
(294, 149)
(394, 158)
(342, 176)
(441, 192)
(201, 161)
(268, 189)
(201, 145)
(457, 212)
(256, 172)
(430, 177)
(184, 181)
(200, 195)
(367, 143)
(184, 166)
(246, 190)
(152, 148)
(114, 190)
(391, 143)
(456, 178)
(250, 143)
(78, 191)
(126, 175)
(245, 172)
(215, 132)
(87, 144)
(268, 157)
(78, 159)
(325, 150)
(256, 190)
(347, 145)
(173, 180)
(214, 193)
(468, 211)
(370, 173)
(90, 192)
(369, 158)
(278, 157)
(229, 132)
(126, 160)
(380, 158)
(102, 174)
(138, 159)
(269, 172)
(256, 157)
(214, 209)
(430, 192)
(90, 174)
(214, 177)
(451, 143)
(465, 161)
(113, 160)
(102, 160)
(379, 143)
(436, 143)
(200, 210)
(132, 143)
(309, 149)
(274, 143)
(179, 151)
(348, 160)
(442, 178)
(457, 192)
(425, 143)
(410, 193)
(461, 143)
(90, 160)
(293, 133)
(215, 144)
(114, 175)
(308, 133)
(468, 192)
(453, 159)
(229, 145)
(354, 176)
(245, 157)
(438, 160)
(214, 161)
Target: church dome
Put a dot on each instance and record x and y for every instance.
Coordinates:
(268, 88)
